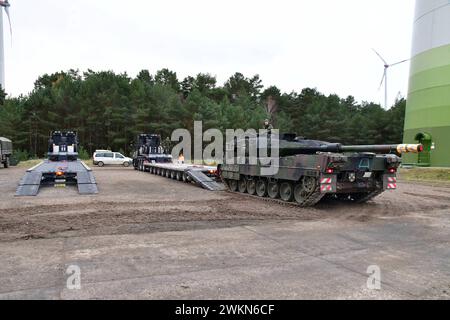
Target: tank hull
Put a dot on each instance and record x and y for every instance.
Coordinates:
(307, 178)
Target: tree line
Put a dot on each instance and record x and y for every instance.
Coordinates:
(108, 110)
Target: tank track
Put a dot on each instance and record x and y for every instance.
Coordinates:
(312, 200)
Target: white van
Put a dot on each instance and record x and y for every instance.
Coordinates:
(105, 157)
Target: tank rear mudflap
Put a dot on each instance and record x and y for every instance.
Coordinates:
(328, 183)
(29, 185)
(389, 182)
(204, 181)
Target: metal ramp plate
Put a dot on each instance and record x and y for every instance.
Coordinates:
(86, 183)
(30, 183)
(204, 181)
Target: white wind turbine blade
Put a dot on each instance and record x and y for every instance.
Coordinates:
(9, 20)
(382, 79)
(394, 64)
(379, 55)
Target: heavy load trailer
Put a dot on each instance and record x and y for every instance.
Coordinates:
(310, 170)
(150, 156)
(5, 152)
(203, 176)
(60, 169)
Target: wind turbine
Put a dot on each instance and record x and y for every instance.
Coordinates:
(4, 5)
(385, 76)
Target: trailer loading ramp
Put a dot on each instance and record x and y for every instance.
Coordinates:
(204, 181)
(42, 174)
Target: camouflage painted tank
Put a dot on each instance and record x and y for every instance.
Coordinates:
(309, 170)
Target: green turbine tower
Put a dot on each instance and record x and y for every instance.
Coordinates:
(428, 107)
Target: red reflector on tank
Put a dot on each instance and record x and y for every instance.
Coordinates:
(392, 170)
(330, 171)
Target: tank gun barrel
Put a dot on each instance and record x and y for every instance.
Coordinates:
(399, 149)
(290, 149)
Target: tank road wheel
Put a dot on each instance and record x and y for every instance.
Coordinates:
(233, 185)
(185, 177)
(243, 185)
(100, 164)
(173, 175)
(273, 190)
(179, 176)
(286, 191)
(261, 188)
(7, 163)
(251, 187)
(168, 173)
(304, 189)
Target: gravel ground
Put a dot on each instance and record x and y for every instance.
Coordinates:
(201, 232)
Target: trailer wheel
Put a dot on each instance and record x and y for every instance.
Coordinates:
(100, 164)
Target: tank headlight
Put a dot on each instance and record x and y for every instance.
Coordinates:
(352, 177)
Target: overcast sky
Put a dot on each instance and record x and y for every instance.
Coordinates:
(291, 44)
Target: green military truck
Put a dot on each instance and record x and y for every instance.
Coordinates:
(5, 152)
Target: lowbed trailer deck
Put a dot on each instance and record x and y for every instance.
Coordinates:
(202, 176)
(58, 173)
